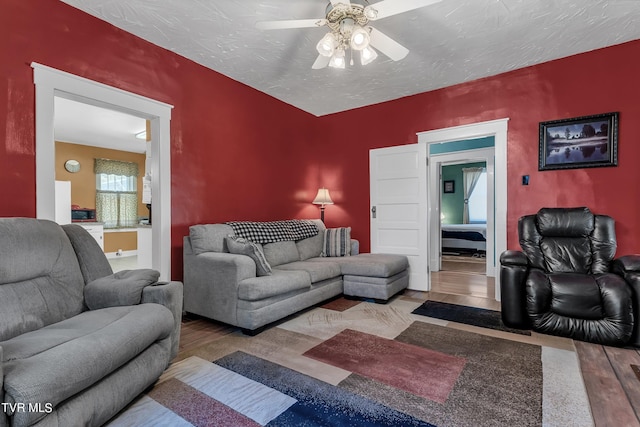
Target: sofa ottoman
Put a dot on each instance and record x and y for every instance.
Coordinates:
(376, 276)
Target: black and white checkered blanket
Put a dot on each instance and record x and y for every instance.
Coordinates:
(274, 231)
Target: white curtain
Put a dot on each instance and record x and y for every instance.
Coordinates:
(116, 193)
(117, 209)
(470, 177)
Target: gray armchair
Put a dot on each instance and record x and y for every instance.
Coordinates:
(78, 343)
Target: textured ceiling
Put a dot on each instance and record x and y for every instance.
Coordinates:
(450, 42)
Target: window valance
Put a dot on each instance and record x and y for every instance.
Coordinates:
(115, 167)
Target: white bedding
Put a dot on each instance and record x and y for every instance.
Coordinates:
(461, 243)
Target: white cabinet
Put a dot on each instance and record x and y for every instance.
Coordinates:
(96, 230)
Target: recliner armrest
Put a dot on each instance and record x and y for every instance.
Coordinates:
(169, 294)
(514, 268)
(628, 267)
(118, 289)
(514, 258)
(627, 263)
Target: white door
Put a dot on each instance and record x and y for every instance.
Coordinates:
(398, 197)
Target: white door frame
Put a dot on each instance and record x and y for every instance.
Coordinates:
(50, 83)
(497, 129)
(436, 162)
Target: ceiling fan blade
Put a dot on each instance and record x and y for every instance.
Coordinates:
(321, 62)
(292, 23)
(387, 45)
(387, 8)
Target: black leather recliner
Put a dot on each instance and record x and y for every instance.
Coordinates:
(566, 282)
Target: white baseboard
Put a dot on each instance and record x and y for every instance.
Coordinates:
(111, 255)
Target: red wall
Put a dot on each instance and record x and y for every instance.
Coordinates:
(236, 153)
(240, 154)
(592, 83)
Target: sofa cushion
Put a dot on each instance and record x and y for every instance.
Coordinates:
(54, 363)
(318, 271)
(209, 237)
(242, 246)
(281, 252)
(374, 265)
(337, 242)
(279, 283)
(312, 246)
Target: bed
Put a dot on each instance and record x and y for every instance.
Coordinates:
(471, 237)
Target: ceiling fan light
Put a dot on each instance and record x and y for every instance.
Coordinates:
(359, 38)
(370, 12)
(327, 45)
(367, 55)
(337, 60)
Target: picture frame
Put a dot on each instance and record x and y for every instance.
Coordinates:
(449, 186)
(580, 142)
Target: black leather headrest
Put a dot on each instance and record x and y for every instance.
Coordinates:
(565, 222)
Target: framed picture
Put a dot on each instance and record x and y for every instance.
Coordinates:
(449, 187)
(582, 142)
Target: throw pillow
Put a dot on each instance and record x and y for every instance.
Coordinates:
(337, 242)
(279, 253)
(242, 246)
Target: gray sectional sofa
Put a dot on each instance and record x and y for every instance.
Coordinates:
(233, 287)
(77, 343)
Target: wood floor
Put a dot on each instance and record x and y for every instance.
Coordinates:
(612, 386)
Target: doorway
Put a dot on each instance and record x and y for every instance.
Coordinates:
(51, 83)
(497, 129)
(93, 137)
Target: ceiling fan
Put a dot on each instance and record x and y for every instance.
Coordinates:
(348, 24)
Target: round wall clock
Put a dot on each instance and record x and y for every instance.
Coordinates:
(72, 166)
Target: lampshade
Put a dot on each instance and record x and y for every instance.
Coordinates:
(322, 198)
(337, 60)
(327, 45)
(359, 38)
(367, 55)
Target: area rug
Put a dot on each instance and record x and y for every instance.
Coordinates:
(244, 390)
(469, 315)
(501, 383)
(432, 374)
(369, 365)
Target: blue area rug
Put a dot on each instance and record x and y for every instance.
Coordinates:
(468, 315)
(318, 403)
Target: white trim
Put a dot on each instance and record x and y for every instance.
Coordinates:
(50, 83)
(497, 129)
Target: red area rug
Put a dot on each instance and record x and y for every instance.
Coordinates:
(340, 304)
(425, 373)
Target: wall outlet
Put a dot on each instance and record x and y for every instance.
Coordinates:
(119, 252)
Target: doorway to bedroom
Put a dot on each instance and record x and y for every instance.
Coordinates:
(463, 243)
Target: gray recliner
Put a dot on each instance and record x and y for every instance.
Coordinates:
(77, 342)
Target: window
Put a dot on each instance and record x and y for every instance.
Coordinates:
(478, 201)
(116, 193)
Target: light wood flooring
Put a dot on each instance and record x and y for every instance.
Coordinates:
(612, 387)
